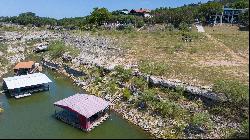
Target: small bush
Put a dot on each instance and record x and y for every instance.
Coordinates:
(238, 93)
(56, 49)
(178, 47)
(111, 87)
(123, 74)
(3, 48)
(184, 27)
(179, 89)
(245, 129)
(193, 50)
(98, 80)
(155, 68)
(202, 119)
(140, 82)
(126, 94)
(170, 27)
(242, 134)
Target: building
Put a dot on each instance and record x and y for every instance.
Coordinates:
(141, 12)
(83, 111)
(24, 85)
(124, 11)
(229, 15)
(23, 68)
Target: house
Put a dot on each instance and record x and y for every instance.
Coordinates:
(229, 15)
(141, 12)
(24, 85)
(24, 67)
(83, 111)
(124, 11)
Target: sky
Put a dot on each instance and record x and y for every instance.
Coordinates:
(77, 8)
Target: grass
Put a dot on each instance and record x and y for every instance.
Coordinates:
(3, 48)
(10, 29)
(202, 119)
(165, 54)
(232, 37)
(58, 48)
(237, 92)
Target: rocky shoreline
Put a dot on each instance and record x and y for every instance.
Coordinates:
(154, 124)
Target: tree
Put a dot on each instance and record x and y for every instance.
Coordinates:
(240, 4)
(244, 18)
(99, 16)
(209, 9)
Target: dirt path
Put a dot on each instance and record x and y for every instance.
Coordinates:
(236, 57)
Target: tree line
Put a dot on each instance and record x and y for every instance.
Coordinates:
(176, 16)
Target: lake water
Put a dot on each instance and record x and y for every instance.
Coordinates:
(32, 117)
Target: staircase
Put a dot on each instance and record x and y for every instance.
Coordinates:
(35, 69)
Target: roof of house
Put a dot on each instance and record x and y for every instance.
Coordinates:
(26, 80)
(84, 104)
(142, 10)
(25, 65)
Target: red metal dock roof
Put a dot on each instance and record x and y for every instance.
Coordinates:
(84, 104)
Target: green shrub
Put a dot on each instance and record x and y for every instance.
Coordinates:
(178, 47)
(237, 93)
(140, 83)
(3, 48)
(126, 93)
(98, 80)
(172, 110)
(184, 27)
(56, 49)
(245, 129)
(172, 94)
(242, 134)
(111, 87)
(193, 50)
(149, 95)
(123, 74)
(179, 89)
(170, 27)
(202, 119)
(155, 68)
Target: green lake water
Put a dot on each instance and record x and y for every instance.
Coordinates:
(32, 117)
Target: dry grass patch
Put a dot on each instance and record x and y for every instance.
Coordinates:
(164, 53)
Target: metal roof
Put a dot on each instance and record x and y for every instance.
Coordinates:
(84, 104)
(26, 80)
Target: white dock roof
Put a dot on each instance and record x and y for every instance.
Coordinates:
(26, 80)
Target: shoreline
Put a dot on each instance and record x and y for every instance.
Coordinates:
(122, 114)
